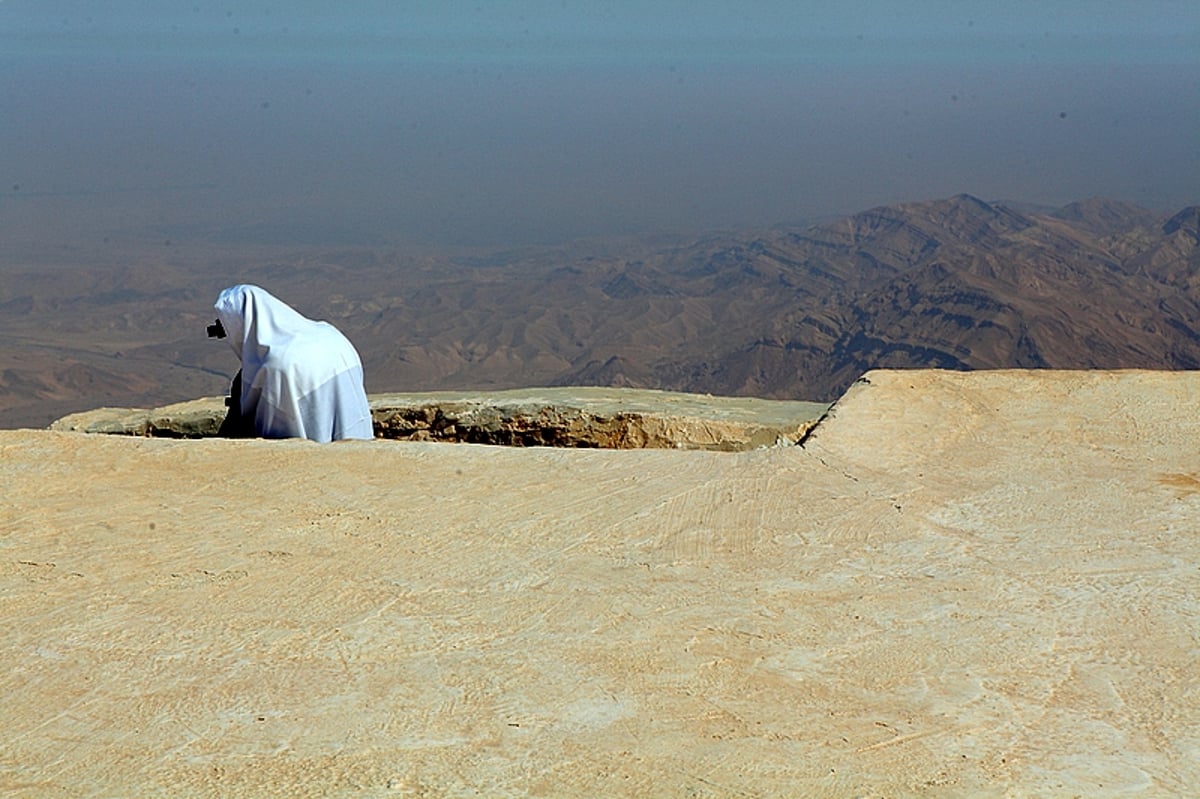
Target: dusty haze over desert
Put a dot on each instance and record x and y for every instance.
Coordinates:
(977, 576)
(462, 123)
(516, 194)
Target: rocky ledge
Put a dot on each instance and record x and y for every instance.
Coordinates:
(605, 418)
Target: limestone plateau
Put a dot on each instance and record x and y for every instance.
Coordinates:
(786, 313)
(962, 584)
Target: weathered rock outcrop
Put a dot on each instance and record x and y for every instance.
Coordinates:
(200, 418)
(556, 417)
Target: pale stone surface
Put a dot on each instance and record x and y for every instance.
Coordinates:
(578, 417)
(192, 419)
(979, 584)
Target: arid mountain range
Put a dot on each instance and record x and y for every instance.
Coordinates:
(957, 283)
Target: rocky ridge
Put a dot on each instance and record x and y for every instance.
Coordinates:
(555, 417)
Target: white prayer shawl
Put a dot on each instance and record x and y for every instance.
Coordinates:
(300, 378)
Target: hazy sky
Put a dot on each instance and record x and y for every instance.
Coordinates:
(522, 122)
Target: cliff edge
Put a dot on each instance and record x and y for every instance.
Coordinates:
(606, 418)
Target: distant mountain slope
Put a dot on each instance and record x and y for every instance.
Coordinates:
(961, 283)
(956, 283)
(789, 313)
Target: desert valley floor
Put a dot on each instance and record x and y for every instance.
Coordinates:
(961, 584)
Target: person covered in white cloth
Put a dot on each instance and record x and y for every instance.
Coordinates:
(299, 378)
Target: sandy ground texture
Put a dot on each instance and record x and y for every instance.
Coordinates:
(979, 584)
